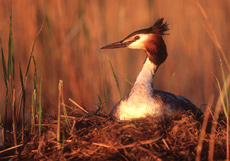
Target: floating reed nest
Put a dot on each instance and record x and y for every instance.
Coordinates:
(97, 137)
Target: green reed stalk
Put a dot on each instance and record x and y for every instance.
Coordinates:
(115, 78)
(40, 111)
(5, 72)
(226, 89)
(23, 103)
(33, 111)
(59, 113)
(106, 93)
(67, 122)
(172, 82)
(11, 78)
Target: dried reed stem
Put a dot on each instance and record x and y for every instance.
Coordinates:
(203, 129)
(78, 106)
(59, 112)
(214, 123)
(33, 110)
(13, 147)
(213, 35)
(40, 117)
(14, 121)
(215, 40)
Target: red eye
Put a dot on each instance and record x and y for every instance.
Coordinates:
(137, 37)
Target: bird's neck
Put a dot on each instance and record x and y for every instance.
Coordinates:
(145, 77)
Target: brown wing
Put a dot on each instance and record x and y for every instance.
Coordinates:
(177, 102)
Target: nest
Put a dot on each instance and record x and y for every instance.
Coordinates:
(97, 137)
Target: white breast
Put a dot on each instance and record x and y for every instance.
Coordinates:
(137, 106)
(140, 101)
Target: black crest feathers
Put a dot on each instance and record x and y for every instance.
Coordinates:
(159, 27)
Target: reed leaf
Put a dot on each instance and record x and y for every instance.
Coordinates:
(9, 47)
(106, 96)
(23, 102)
(40, 111)
(221, 95)
(63, 139)
(3, 63)
(100, 101)
(33, 111)
(11, 65)
(31, 53)
(7, 90)
(172, 82)
(115, 78)
(67, 122)
(106, 92)
(226, 89)
(225, 86)
(59, 113)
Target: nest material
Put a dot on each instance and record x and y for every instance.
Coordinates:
(96, 137)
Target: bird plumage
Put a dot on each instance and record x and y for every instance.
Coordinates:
(143, 99)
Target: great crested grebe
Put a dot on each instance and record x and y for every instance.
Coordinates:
(143, 99)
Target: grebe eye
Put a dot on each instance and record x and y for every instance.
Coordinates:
(137, 37)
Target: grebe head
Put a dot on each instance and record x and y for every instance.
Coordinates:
(149, 39)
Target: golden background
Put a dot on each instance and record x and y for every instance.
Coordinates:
(68, 47)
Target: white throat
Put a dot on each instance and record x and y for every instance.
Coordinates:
(146, 75)
(141, 98)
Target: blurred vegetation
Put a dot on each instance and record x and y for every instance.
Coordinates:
(68, 47)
